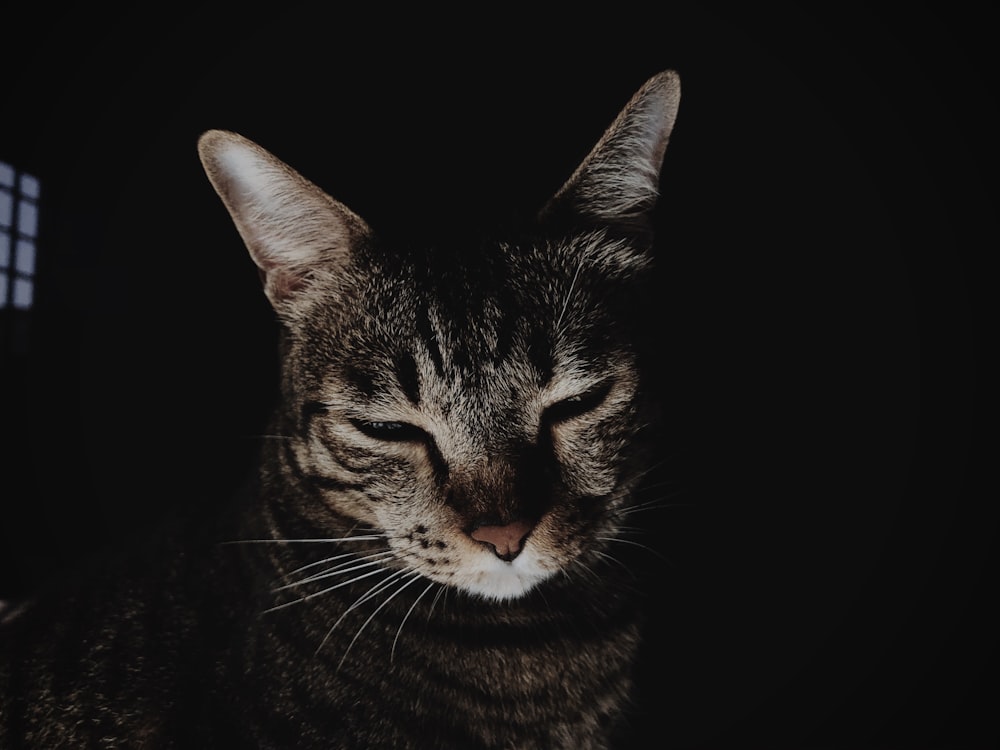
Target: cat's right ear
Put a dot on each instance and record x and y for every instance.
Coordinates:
(617, 184)
(293, 230)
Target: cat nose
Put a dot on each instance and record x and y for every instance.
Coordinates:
(507, 540)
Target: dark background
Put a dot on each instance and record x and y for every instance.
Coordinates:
(828, 210)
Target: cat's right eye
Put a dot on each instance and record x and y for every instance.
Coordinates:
(390, 432)
(576, 406)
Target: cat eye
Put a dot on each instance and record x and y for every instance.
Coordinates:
(391, 432)
(576, 406)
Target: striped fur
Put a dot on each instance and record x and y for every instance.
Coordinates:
(435, 551)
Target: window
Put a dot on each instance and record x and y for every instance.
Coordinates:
(19, 193)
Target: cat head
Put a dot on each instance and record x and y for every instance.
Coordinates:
(483, 407)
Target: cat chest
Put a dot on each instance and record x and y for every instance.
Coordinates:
(465, 685)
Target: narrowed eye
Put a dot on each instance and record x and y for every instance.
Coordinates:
(576, 406)
(390, 432)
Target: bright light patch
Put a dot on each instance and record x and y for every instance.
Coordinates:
(30, 187)
(27, 218)
(6, 209)
(19, 194)
(24, 258)
(23, 293)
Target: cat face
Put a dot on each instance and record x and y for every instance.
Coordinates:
(481, 409)
(489, 436)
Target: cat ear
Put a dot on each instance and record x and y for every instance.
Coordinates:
(618, 182)
(290, 226)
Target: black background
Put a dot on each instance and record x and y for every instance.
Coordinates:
(828, 211)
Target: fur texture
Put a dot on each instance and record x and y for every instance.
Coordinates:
(435, 551)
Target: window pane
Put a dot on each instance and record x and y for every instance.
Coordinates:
(30, 187)
(6, 174)
(22, 293)
(4, 250)
(24, 257)
(27, 218)
(6, 208)
(3, 290)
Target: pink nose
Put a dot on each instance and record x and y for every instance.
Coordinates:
(507, 541)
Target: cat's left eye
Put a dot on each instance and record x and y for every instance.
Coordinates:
(394, 432)
(576, 406)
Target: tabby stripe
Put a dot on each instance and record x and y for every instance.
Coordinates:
(461, 684)
(540, 354)
(530, 635)
(333, 485)
(362, 380)
(395, 696)
(409, 379)
(341, 452)
(506, 329)
(328, 483)
(426, 330)
(465, 688)
(309, 410)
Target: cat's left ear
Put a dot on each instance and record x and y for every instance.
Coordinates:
(293, 230)
(617, 184)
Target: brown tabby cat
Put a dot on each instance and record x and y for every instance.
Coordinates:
(434, 553)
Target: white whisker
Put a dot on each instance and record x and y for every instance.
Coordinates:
(325, 591)
(434, 601)
(569, 293)
(641, 546)
(614, 559)
(415, 576)
(344, 567)
(586, 568)
(375, 590)
(659, 503)
(392, 652)
(364, 538)
(325, 560)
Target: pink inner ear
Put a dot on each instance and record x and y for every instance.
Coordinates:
(281, 283)
(507, 540)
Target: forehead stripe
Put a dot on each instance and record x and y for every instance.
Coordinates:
(408, 377)
(426, 330)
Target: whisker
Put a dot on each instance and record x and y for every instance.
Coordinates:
(434, 601)
(569, 293)
(642, 487)
(586, 568)
(415, 576)
(364, 538)
(340, 568)
(353, 555)
(325, 560)
(641, 546)
(659, 503)
(326, 590)
(614, 559)
(375, 590)
(634, 530)
(344, 567)
(392, 652)
(639, 475)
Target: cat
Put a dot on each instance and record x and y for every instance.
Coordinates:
(435, 550)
